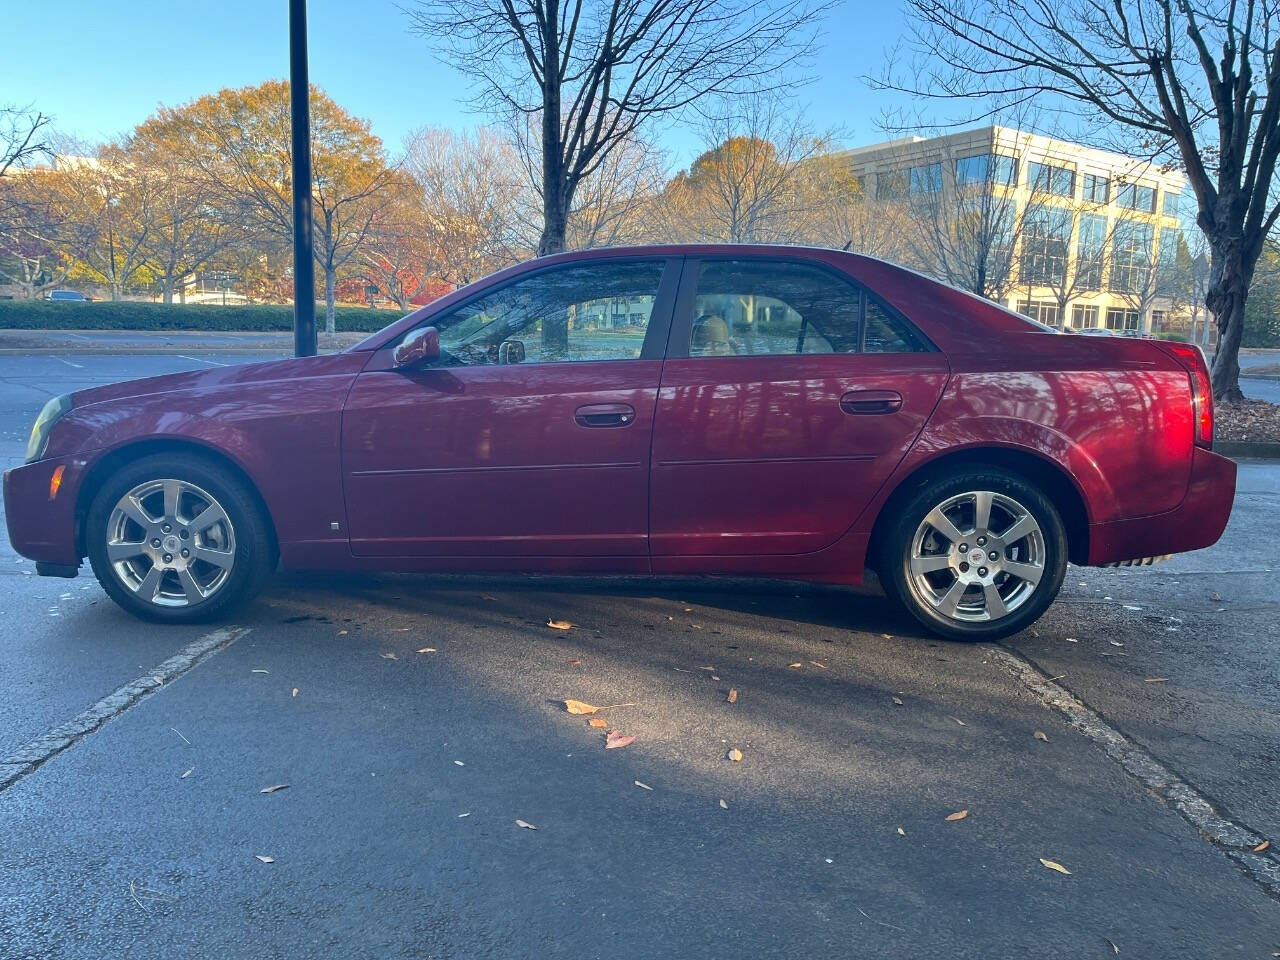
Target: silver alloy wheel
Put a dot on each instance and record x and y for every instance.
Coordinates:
(976, 557)
(171, 543)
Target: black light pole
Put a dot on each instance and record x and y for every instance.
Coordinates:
(304, 268)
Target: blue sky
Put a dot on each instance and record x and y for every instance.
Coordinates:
(99, 70)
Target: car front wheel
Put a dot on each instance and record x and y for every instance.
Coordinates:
(977, 555)
(177, 538)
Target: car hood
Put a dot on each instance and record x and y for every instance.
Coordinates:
(236, 375)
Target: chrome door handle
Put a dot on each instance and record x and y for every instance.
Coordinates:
(859, 402)
(605, 415)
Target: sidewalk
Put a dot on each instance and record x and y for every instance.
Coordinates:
(165, 341)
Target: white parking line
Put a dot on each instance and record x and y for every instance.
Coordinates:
(78, 366)
(212, 363)
(17, 765)
(1236, 840)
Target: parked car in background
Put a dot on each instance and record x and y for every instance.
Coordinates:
(1095, 332)
(68, 296)
(746, 410)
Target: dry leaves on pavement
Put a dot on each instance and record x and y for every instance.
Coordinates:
(724, 805)
(642, 786)
(389, 656)
(958, 815)
(274, 788)
(264, 858)
(580, 708)
(616, 740)
(1053, 865)
(733, 695)
(527, 826)
(426, 649)
(735, 755)
(1263, 847)
(598, 722)
(559, 624)
(898, 701)
(1040, 735)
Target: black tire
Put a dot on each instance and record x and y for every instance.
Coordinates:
(254, 553)
(898, 541)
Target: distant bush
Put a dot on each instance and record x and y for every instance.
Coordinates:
(132, 315)
(1170, 335)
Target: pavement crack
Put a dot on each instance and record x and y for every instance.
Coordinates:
(26, 759)
(1236, 840)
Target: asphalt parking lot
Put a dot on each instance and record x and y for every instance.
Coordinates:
(415, 720)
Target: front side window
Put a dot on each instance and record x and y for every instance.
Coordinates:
(771, 308)
(591, 311)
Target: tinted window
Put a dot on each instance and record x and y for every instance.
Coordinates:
(763, 308)
(595, 311)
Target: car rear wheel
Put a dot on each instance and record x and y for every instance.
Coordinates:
(178, 539)
(976, 555)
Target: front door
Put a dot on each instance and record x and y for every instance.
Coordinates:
(788, 397)
(530, 436)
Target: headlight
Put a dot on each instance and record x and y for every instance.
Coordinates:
(52, 412)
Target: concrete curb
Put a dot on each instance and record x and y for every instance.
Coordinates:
(1248, 449)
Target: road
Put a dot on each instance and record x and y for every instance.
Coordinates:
(1157, 691)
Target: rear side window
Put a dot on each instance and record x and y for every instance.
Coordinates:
(779, 308)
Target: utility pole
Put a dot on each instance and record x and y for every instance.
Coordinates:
(304, 268)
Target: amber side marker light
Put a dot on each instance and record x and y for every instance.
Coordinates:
(55, 480)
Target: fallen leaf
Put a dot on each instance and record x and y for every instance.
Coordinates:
(295, 691)
(527, 826)
(578, 707)
(342, 633)
(1215, 597)
(710, 669)
(1055, 866)
(559, 624)
(467, 814)
(898, 701)
(958, 815)
(615, 740)
(795, 666)
(575, 662)
(723, 805)
(1262, 847)
(735, 755)
(959, 721)
(901, 832)
(1040, 736)
(187, 773)
(1116, 950)
(642, 786)
(822, 666)
(733, 695)
(459, 763)
(259, 670)
(1156, 680)
(426, 649)
(264, 859)
(598, 722)
(274, 787)
(485, 596)
(389, 656)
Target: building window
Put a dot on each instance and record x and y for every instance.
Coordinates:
(1097, 189)
(1137, 196)
(1055, 181)
(1091, 251)
(1171, 203)
(926, 179)
(1157, 319)
(1118, 318)
(1084, 316)
(891, 185)
(1046, 241)
(986, 168)
(1132, 255)
(1045, 311)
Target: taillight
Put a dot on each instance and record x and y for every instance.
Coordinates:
(1192, 357)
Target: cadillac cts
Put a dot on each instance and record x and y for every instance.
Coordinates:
(772, 411)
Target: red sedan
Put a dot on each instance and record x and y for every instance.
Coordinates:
(772, 411)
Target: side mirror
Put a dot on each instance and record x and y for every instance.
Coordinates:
(511, 351)
(421, 346)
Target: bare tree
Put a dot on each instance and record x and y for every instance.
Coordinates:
(592, 72)
(22, 137)
(473, 191)
(1194, 82)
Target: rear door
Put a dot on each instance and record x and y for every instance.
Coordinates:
(530, 436)
(789, 395)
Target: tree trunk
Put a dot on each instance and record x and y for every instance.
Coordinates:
(168, 290)
(555, 218)
(330, 281)
(115, 291)
(1228, 289)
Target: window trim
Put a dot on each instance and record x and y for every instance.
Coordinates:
(655, 336)
(682, 321)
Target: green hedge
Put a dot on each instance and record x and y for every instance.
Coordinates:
(131, 315)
